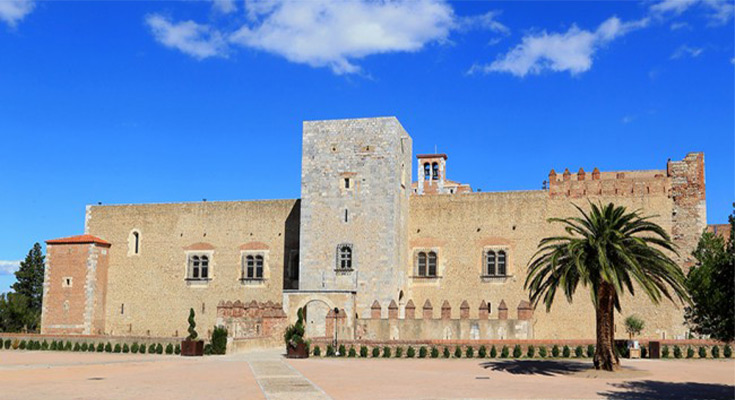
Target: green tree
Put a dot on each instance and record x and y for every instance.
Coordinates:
(710, 283)
(192, 325)
(29, 278)
(16, 313)
(634, 325)
(606, 250)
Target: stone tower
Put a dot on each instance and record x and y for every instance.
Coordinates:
(355, 187)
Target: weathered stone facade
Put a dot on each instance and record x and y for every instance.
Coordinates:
(353, 250)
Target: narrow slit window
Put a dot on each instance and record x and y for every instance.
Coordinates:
(136, 242)
(346, 215)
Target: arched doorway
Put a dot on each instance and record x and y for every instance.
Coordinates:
(316, 318)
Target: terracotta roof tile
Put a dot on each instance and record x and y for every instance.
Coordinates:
(80, 239)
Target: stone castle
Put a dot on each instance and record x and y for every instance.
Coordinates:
(363, 248)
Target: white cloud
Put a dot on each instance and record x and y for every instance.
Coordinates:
(571, 51)
(487, 21)
(224, 6)
(675, 26)
(718, 11)
(12, 11)
(8, 267)
(198, 41)
(686, 51)
(324, 33)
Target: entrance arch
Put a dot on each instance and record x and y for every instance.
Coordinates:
(315, 318)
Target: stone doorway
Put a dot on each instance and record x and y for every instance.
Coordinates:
(316, 318)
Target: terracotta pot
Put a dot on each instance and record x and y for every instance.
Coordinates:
(192, 348)
(300, 351)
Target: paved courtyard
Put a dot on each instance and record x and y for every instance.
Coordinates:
(266, 375)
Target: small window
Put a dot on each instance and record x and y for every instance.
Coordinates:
(435, 171)
(427, 171)
(346, 215)
(426, 264)
(347, 183)
(66, 282)
(501, 263)
(136, 244)
(344, 257)
(490, 263)
(253, 267)
(198, 267)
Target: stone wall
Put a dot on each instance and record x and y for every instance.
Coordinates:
(356, 178)
(252, 320)
(148, 293)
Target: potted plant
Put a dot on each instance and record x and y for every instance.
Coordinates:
(190, 346)
(634, 326)
(296, 347)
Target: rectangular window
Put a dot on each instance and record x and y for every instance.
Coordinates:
(347, 183)
(253, 266)
(426, 264)
(198, 267)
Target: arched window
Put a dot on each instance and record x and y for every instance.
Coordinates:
(136, 242)
(501, 263)
(490, 263)
(435, 171)
(195, 265)
(421, 267)
(432, 264)
(427, 171)
(253, 267)
(344, 257)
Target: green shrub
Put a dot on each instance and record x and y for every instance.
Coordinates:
(7, 344)
(690, 352)
(555, 351)
(77, 347)
(44, 345)
(578, 352)
(445, 352)
(342, 351)
(177, 349)
(517, 352)
(100, 347)
(715, 351)
(53, 345)
(39, 346)
(423, 352)
(218, 340)
(152, 348)
(410, 352)
(142, 349)
(108, 347)
(85, 346)
(22, 345)
(530, 351)
(399, 352)
(317, 351)
(207, 349)
(469, 352)
(542, 351)
(677, 352)
(90, 348)
(493, 352)
(457, 352)
(702, 353)
(170, 349)
(386, 352)
(376, 352)
(134, 348)
(363, 351)
(590, 350)
(117, 349)
(504, 352)
(330, 350)
(566, 352)
(126, 348)
(68, 346)
(159, 349)
(434, 352)
(665, 352)
(727, 352)
(352, 353)
(482, 352)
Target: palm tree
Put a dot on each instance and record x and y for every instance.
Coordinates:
(606, 251)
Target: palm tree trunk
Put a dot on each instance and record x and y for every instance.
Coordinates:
(605, 357)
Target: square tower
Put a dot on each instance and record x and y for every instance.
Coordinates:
(355, 186)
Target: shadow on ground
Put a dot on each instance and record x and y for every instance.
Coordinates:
(536, 367)
(649, 390)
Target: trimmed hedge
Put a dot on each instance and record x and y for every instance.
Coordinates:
(517, 351)
(411, 352)
(434, 352)
(530, 351)
(423, 352)
(493, 352)
(363, 351)
(482, 352)
(445, 352)
(542, 352)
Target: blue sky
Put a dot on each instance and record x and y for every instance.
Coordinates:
(165, 101)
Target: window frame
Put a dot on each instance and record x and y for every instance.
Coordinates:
(198, 256)
(245, 275)
(497, 252)
(423, 265)
(340, 258)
